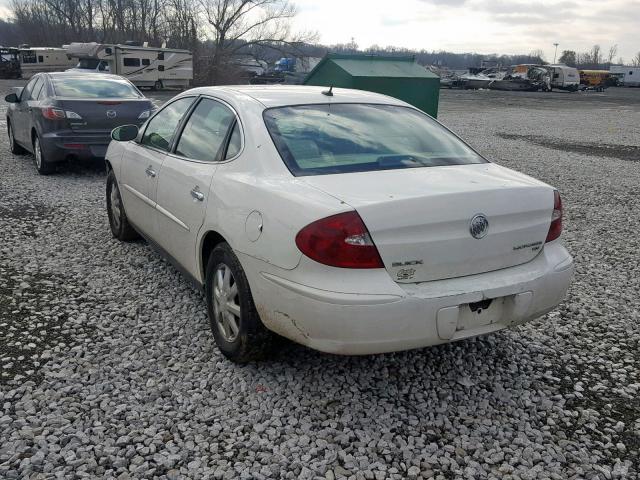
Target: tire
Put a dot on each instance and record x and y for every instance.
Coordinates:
(42, 166)
(118, 221)
(240, 336)
(15, 148)
(158, 85)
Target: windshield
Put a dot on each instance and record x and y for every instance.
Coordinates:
(342, 138)
(92, 87)
(88, 63)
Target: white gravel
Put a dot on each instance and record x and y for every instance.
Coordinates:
(108, 368)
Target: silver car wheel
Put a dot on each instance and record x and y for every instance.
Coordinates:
(116, 206)
(37, 152)
(226, 306)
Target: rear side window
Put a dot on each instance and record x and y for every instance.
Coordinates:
(145, 62)
(131, 62)
(37, 88)
(205, 132)
(341, 138)
(161, 128)
(235, 142)
(92, 87)
(26, 91)
(33, 89)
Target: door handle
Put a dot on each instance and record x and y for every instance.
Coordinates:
(197, 194)
(150, 171)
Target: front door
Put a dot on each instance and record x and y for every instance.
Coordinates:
(143, 160)
(185, 179)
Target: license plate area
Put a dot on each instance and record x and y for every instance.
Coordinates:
(480, 314)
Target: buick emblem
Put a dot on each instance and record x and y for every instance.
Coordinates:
(479, 226)
(111, 113)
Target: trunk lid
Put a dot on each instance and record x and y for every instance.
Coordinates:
(104, 113)
(419, 218)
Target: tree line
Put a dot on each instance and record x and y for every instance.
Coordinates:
(596, 58)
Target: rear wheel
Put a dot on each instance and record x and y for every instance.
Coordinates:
(15, 148)
(234, 320)
(42, 166)
(118, 221)
(158, 85)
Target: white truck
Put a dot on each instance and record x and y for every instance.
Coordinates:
(43, 59)
(144, 66)
(629, 76)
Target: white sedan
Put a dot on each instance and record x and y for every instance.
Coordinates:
(344, 220)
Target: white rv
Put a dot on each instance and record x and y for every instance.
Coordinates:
(629, 76)
(144, 66)
(43, 59)
(564, 77)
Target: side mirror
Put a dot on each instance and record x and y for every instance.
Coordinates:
(125, 133)
(12, 98)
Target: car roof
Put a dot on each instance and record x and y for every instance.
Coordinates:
(281, 95)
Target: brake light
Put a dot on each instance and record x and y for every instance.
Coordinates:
(52, 113)
(555, 229)
(339, 241)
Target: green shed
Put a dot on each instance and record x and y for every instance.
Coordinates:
(399, 77)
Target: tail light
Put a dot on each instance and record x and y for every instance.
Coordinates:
(51, 113)
(555, 229)
(339, 241)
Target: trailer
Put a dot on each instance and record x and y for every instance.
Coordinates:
(144, 66)
(564, 77)
(629, 76)
(43, 59)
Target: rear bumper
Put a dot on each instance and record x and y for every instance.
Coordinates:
(59, 146)
(412, 315)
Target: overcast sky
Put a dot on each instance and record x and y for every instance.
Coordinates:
(483, 26)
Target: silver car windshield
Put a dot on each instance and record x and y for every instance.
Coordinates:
(342, 138)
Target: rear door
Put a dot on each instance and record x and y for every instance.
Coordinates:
(186, 175)
(142, 161)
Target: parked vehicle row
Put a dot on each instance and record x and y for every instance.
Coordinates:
(344, 220)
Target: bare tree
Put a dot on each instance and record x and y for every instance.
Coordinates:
(568, 57)
(238, 24)
(613, 50)
(636, 60)
(537, 54)
(596, 55)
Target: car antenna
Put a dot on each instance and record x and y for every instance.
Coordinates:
(328, 93)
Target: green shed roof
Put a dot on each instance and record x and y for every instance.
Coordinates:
(376, 66)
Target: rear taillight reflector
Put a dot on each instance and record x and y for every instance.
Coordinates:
(339, 241)
(555, 229)
(52, 113)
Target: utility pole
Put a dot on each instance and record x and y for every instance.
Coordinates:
(555, 54)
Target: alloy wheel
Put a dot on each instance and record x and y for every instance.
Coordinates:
(226, 303)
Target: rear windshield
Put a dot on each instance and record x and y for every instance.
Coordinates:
(76, 87)
(342, 138)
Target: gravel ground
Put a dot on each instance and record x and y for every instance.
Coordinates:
(108, 368)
